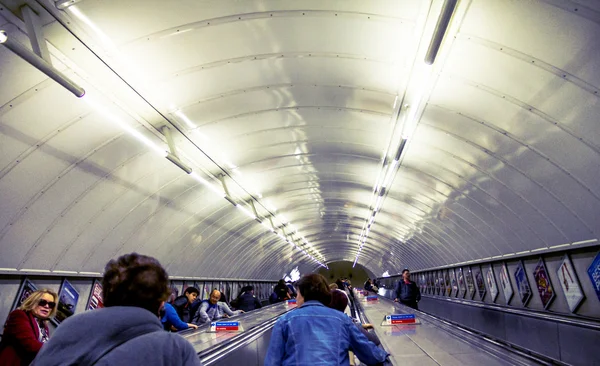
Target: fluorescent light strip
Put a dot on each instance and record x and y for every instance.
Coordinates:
(207, 184)
(132, 131)
(35, 270)
(69, 272)
(246, 212)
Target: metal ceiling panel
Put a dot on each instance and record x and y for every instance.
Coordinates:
(295, 113)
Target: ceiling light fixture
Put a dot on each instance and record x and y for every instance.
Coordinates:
(40, 64)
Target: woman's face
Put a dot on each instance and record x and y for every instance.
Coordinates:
(44, 311)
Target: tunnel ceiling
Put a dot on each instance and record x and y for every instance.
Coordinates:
(295, 111)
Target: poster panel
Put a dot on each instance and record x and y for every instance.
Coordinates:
(26, 289)
(429, 283)
(174, 292)
(523, 288)
(594, 274)
(507, 289)
(470, 283)
(454, 283)
(491, 282)
(570, 283)
(542, 281)
(448, 284)
(461, 284)
(67, 301)
(95, 300)
(436, 278)
(479, 282)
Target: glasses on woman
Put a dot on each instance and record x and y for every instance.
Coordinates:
(51, 304)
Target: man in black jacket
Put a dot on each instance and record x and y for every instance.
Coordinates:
(183, 303)
(247, 301)
(407, 292)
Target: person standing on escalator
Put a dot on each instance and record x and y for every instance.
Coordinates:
(407, 292)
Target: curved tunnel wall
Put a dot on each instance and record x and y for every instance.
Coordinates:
(502, 156)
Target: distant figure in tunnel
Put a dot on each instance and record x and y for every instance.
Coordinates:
(407, 292)
(213, 309)
(127, 331)
(247, 301)
(369, 286)
(314, 333)
(26, 329)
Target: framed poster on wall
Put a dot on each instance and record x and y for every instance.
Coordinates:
(26, 289)
(491, 282)
(470, 283)
(461, 284)
(522, 284)
(507, 289)
(570, 283)
(447, 280)
(543, 284)
(95, 300)
(67, 301)
(429, 285)
(594, 274)
(479, 282)
(454, 283)
(174, 292)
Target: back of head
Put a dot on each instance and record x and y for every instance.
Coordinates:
(339, 300)
(135, 280)
(314, 287)
(281, 283)
(333, 286)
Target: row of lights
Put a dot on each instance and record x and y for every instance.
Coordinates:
(46, 67)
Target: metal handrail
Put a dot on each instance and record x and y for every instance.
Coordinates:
(589, 323)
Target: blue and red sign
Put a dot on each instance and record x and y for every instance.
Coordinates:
(400, 319)
(291, 302)
(224, 326)
(372, 298)
(594, 273)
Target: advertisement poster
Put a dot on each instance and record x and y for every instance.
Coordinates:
(95, 301)
(429, 285)
(470, 283)
(174, 293)
(570, 284)
(594, 273)
(542, 281)
(461, 284)
(454, 283)
(505, 283)
(27, 288)
(522, 284)
(67, 301)
(437, 283)
(423, 283)
(448, 285)
(491, 282)
(479, 282)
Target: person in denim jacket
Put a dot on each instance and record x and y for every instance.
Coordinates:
(315, 334)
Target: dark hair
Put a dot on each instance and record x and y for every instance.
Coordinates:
(281, 283)
(135, 280)
(339, 300)
(314, 287)
(249, 288)
(191, 290)
(405, 270)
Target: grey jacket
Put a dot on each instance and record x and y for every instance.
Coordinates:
(208, 312)
(118, 335)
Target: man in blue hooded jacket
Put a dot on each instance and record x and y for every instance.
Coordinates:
(127, 331)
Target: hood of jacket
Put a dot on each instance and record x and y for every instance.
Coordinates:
(85, 337)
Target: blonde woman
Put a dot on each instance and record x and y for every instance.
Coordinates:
(26, 330)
